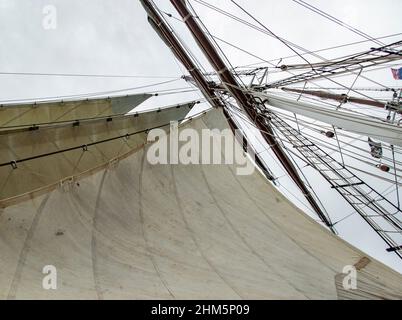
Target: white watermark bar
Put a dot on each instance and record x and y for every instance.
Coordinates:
(189, 146)
(49, 21)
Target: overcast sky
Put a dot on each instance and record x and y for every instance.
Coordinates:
(113, 37)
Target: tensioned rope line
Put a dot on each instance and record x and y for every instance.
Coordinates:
(324, 49)
(346, 152)
(91, 94)
(323, 125)
(241, 49)
(56, 74)
(337, 21)
(383, 234)
(356, 88)
(295, 51)
(223, 41)
(311, 98)
(277, 37)
(306, 181)
(208, 33)
(283, 40)
(313, 127)
(322, 145)
(367, 69)
(384, 193)
(253, 91)
(333, 105)
(179, 39)
(349, 166)
(223, 12)
(282, 58)
(234, 111)
(348, 64)
(50, 100)
(375, 113)
(373, 68)
(319, 128)
(241, 115)
(349, 88)
(331, 76)
(346, 144)
(350, 107)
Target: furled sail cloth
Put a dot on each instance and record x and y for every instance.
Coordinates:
(37, 113)
(137, 230)
(380, 130)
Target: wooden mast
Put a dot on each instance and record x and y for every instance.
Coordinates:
(209, 93)
(246, 101)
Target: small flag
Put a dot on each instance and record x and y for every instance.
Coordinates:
(397, 73)
(375, 148)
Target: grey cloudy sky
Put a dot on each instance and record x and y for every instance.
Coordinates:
(113, 37)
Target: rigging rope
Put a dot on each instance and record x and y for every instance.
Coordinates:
(85, 146)
(83, 75)
(325, 49)
(95, 118)
(232, 109)
(223, 12)
(240, 113)
(91, 94)
(337, 21)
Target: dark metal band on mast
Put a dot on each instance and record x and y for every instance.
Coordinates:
(246, 101)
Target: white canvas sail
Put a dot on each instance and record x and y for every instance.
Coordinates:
(142, 231)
